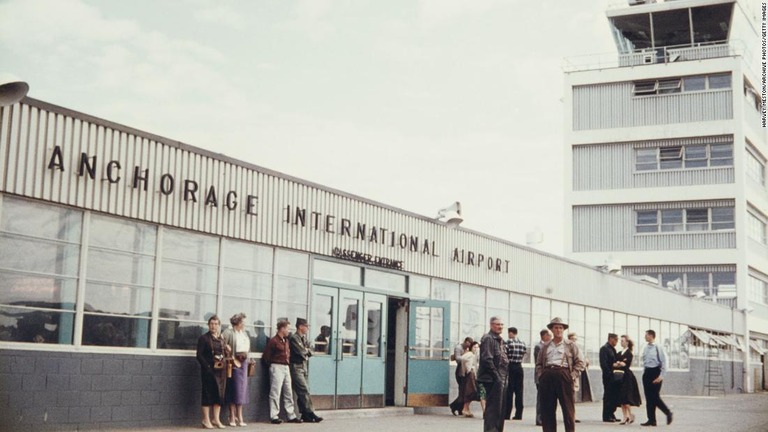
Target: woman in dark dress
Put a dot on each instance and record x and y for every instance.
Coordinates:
(629, 395)
(211, 353)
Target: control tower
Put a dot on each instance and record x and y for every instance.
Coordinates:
(666, 150)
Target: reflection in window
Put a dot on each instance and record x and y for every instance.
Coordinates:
(473, 319)
(39, 260)
(335, 272)
(322, 316)
(384, 280)
(350, 309)
(292, 280)
(187, 288)
(119, 285)
(428, 343)
(247, 287)
(447, 290)
(373, 333)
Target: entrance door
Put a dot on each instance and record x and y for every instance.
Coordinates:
(429, 327)
(347, 369)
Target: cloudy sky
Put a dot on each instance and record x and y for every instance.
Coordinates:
(413, 103)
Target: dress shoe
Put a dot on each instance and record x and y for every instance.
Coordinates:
(294, 420)
(648, 423)
(232, 424)
(207, 426)
(669, 418)
(517, 418)
(577, 421)
(468, 414)
(307, 419)
(219, 425)
(276, 421)
(611, 421)
(316, 418)
(241, 423)
(538, 424)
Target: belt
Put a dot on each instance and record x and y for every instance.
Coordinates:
(555, 367)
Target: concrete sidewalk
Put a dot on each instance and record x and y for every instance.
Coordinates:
(734, 413)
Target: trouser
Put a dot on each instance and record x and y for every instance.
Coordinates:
(651, 390)
(458, 403)
(280, 383)
(300, 384)
(493, 417)
(538, 405)
(514, 391)
(610, 396)
(555, 384)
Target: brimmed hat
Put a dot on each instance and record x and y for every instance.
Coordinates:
(557, 320)
(300, 322)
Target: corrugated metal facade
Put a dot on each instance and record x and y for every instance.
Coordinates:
(30, 132)
(612, 166)
(600, 228)
(612, 105)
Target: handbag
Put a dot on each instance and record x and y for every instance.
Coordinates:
(618, 376)
(252, 368)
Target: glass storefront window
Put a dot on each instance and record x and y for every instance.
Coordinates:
(373, 341)
(39, 263)
(498, 306)
(384, 280)
(473, 319)
(520, 317)
(322, 323)
(576, 325)
(540, 312)
(188, 288)
(247, 288)
(292, 285)
(335, 272)
(119, 286)
(447, 290)
(592, 336)
(418, 286)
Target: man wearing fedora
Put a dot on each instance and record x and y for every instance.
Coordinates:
(300, 354)
(492, 374)
(558, 364)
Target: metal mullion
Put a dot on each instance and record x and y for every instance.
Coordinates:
(35, 273)
(117, 315)
(154, 322)
(36, 308)
(123, 251)
(273, 300)
(130, 285)
(80, 296)
(36, 238)
(220, 279)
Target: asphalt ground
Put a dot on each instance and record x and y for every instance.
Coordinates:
(733, 413)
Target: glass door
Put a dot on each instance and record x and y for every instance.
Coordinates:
(347, 369)
(429, 327)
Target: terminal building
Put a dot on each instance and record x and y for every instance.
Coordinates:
(116, 245)
(666, 149)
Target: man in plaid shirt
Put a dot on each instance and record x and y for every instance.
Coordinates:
(516, 350)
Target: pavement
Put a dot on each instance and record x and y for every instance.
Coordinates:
(733, 413)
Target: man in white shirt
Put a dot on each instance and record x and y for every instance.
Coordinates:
(655, 364)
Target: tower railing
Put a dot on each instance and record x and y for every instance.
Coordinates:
(650, 56)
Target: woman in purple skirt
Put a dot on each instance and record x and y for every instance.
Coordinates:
(237, 386)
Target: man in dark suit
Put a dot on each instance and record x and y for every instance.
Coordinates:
(610, 390)
(492, 374)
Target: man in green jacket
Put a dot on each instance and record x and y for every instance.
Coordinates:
(300, 354)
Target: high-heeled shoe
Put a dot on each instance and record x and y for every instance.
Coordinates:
(468, 414)
(219, 425)
(631, 418)
(241, 423)
(624, 421)
(207, 426)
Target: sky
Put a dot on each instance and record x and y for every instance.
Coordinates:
(414, 104)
